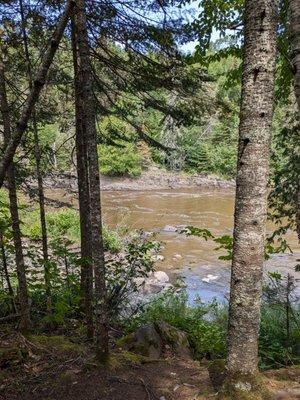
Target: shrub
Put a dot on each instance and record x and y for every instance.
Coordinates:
(207, 337)
(124, 271)
(65, 223)
(279, 343)
(206, 327)
(118, 161)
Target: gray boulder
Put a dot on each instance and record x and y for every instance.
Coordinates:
(153, 339)
(174, 338)
(145, 341)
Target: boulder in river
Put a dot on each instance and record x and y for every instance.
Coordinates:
(169, 228)
(161, 276)
(210, 278)
(155, 283)
(157, 257)
(177, 257)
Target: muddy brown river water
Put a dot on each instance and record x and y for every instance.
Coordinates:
(194, 259)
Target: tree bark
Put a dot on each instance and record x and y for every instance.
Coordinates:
(37, 152)
(83, 191)
(14, 212)
(89, 125)
(251, 184)
(6, 275)
(47, 274)
(294, 14)
(298, 209)
(33, 96)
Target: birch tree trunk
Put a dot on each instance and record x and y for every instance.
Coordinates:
(294, 14)
(14, 212)
(90, 135)
(256, 113)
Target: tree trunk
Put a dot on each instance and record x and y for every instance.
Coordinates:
(83, 192)
(33, 96)
(294, 14)
(257, 103)
(89, 125)
(37, 152)
(47, 274)
(6, 275)
(298, 209)
(13, 206)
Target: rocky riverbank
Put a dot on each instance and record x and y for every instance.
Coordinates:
(153, 178)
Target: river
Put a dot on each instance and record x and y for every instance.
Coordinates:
(193, 259)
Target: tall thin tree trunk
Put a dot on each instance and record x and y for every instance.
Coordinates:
(256, 113)
(294, 14)
(83, 192)
(298, 207)
(42, 215)
(33, 96)
(89, 118)
(14, 212)
(37, 152)
(6, 275)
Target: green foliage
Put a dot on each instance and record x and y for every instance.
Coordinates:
(225, 242)
(206, 324)
(285, 163)
(5, 219)
(65, 223)
(120, 161)
(194, 231)
(125, 270)
(279, 343)
(207, 335)
(111, 240)
(66, 301)
(274, 350)
(207, 157)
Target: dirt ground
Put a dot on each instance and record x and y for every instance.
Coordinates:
(56, 369)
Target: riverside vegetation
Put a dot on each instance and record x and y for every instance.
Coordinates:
(97, 88)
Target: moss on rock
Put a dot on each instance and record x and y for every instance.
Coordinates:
(151, 340)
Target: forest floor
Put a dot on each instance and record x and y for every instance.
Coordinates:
(152, 178)
(54, 368)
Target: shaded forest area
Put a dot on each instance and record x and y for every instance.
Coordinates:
(98, 88)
